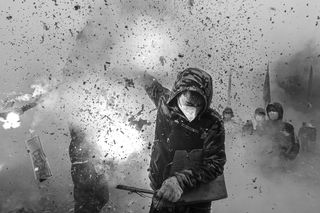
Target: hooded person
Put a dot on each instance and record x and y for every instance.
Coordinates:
(281, 133)
(257, 124)
(227, 114)
(184, 121)
(232, 124)
(307, 136)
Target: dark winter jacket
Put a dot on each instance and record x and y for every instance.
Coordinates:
(282, 134)
(173, 131)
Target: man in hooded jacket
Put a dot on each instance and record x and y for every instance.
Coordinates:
(282, 133)
(227, 114)
(184, 121)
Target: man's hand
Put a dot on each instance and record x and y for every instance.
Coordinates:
(170, 190)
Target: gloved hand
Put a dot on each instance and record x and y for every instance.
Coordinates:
(170, 190)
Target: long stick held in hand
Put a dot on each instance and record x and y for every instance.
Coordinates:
(135, 189)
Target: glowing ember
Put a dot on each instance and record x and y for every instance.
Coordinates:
(12, 120)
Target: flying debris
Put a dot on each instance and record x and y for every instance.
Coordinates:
(39, 160)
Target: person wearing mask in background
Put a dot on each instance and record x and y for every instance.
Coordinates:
(307, 136)
(184, 121)
(227, 114)
(285, 143)
(257, 124)
(232, 124)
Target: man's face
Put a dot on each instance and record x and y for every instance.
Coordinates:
(260, 117)
(227, 116)
(189, 109)
(273, 115)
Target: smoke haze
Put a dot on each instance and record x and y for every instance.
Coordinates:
(87, 55)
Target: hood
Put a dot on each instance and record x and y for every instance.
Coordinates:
(278, 107)
(193, 79)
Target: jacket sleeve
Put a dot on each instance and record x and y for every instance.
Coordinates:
(155, 90)
(213, 160)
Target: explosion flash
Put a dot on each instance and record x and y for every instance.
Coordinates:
(119, 141)
(12, 120)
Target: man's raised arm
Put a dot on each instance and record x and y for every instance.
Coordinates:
(153, 88)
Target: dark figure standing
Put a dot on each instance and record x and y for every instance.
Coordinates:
(227, 114)
(307, 136)
(90, 189)
(184, 121)
(282, 133)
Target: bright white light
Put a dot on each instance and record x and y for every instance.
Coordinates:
(25, 97)
(12, 121)
(119, 141)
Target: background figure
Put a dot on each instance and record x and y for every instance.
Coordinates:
(227, 114)
(307, 136)
(90, 188)
(281, 133)
(232, 124)
(257, 124)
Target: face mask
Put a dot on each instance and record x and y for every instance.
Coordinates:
(190, 112)
(259, 118)
(227, 116)
(273, 115)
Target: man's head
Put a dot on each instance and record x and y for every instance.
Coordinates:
(193, 79)
(191, 103)
(227, 114)
(275, 111)
(260, 115)
(273, 115)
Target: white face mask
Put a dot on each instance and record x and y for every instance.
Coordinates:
(273, 115)
(190, 112)
(259, 118)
